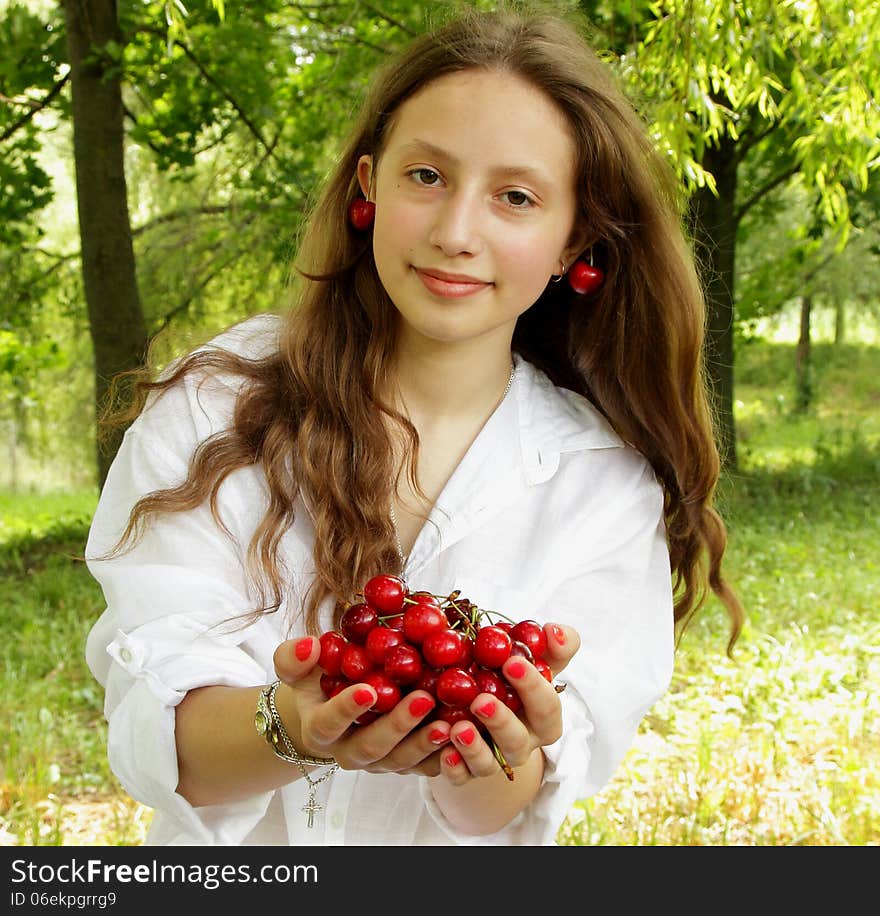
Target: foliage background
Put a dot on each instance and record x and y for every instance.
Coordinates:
(230, 115)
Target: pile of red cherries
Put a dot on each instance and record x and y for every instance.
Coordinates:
(397, 640)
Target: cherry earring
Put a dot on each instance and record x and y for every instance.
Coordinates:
(361, 213)
(584, 277)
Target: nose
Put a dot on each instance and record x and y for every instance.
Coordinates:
(457, 225)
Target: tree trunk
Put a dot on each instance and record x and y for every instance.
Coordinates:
(116, 320)
(803, 364)
(840, 323)
(714, 227)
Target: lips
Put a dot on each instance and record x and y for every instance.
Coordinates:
(450, 285)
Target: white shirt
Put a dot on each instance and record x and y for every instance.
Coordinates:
(548, 516)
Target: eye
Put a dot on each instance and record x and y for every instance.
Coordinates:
(424, 176)
(518, 200)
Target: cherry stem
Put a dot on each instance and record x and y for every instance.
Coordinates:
(505, 766)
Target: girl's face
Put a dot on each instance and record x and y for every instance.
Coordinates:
(475, 204)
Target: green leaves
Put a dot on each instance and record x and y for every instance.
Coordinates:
(710, 68)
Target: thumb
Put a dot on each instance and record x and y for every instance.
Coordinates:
(295, 658)
(562, 643)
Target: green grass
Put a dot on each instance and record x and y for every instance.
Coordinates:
(778, 746)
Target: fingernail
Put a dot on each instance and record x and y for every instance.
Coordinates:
(516, 669)
(303, 649)
(363, 697)
(420, 705)
(487, 709)
(436, 736)
(453, 759)
(558, 633)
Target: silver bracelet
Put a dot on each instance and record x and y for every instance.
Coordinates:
(268, 724)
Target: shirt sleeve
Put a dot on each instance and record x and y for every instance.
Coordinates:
(172, 620)
(619, 599)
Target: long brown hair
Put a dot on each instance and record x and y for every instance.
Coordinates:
(310, 414)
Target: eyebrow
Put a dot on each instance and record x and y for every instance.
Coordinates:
(423, 146)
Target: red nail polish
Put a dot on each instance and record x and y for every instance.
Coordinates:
(420, 705)
(487, 709)
(453, 759)
(466, 737)
(516, 669)
(558, 633)
(363, 697)
(303, 649)
(436, 736)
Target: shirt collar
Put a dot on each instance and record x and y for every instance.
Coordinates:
(552, 421)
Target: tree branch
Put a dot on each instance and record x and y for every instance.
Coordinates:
(749, 140)
(173, 216)
(764, 190)
(35, 107)
(389, 19)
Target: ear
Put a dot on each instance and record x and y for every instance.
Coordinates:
(365, 175)
(579, 241)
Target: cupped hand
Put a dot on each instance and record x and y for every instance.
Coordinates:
(396, 742)
(515, 735)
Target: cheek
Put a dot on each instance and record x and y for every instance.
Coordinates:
(397, 228)
(530, 260)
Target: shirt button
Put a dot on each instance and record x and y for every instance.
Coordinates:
(125, 654)
(337, 820)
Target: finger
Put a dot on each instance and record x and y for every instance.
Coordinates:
(542, 709)
(377, 741)
(295, 658)
(506, 729)
(478, 755)
(417, 753)
(329, 721)
(562, 643)
(453, 767)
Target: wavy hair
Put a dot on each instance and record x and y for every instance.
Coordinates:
(310, 414)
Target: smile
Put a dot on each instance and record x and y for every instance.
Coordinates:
(451, 286)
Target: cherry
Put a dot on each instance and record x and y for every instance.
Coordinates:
(368, 716)
(522, 650)
(492, 647)
(585, 278)
(331, 685)
(393, 621)
(387, 692)
(532, 634)
(453, 714)
(511, 699)
(443, 648)
(545, 670)
(455, 687)
(356, 662)
(357, 621)
(420, 619)
(386, 593)
(403, 664)
(428, 680)
(490, 682)
(423, 597)
(330, 659)
(380, 640)
(361, 213)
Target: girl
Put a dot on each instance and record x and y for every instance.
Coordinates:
(490, 381)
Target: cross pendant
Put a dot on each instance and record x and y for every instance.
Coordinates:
(311, 806)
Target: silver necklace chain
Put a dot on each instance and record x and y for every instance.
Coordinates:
(397, 541)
